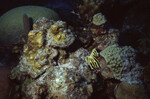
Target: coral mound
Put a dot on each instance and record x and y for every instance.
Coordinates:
(47, 70)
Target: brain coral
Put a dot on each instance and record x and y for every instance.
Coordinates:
(11, 23)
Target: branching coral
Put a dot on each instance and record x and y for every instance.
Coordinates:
(91, 60)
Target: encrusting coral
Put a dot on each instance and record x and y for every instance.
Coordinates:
(35, 59)
(63, 82)
(34, 54)
(99, 19)
(59, 36)
(112, 55)
(40, 72)
(42, 24)
(121, 61)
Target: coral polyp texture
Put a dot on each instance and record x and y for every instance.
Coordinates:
(121, 61)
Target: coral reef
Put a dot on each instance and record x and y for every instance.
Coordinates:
(63, 82)
(11, 23)
(35, 59)
(41, 73)
(121, 61)
(60, 61)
